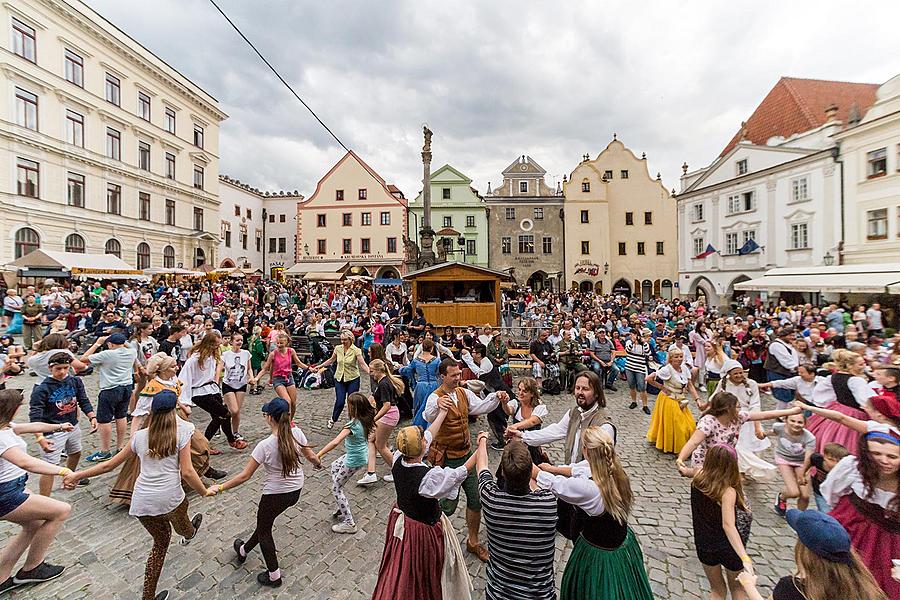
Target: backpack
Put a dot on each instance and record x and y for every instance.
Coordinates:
(551, 386)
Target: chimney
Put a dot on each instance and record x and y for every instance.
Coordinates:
(831, 113)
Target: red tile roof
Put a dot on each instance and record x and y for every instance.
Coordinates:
(797, 105)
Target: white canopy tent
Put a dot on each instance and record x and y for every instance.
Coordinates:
(51, 263)
(842, 279)
(304, 268)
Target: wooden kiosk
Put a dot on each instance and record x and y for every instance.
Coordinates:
(458, 294)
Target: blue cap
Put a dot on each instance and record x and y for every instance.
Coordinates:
(822, 534)
(163, 401)
(276, 407)
(116, 338)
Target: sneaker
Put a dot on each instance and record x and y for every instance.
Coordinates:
(238, 444)
(8, 585)
(43, 572)
(215, 473)
(237, 550)
(389, 478)
(263, 579)
(344, 528)
(330, 424)
(98, 457)
(611, 388)
(198, 518)
(84, 481)
(163, 595)
(369, 479)
(633, 405)
(498, 446)
(646, 410)
(780, 505)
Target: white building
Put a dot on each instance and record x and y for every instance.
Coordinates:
(870, 153)
(776, 183)
(259, 229)
(105, 148)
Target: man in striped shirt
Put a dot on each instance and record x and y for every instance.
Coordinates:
(521, 528)
(637, 357)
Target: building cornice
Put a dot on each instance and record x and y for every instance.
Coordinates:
(746, 179)
(89, 27)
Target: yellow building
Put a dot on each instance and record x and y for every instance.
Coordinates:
(354, 217)
(620, 226)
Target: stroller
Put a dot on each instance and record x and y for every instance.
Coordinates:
(551, 382)
(320, 349)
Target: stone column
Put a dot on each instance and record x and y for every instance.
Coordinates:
(426, 233)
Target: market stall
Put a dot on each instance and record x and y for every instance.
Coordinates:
(458, 294)
(64, 265)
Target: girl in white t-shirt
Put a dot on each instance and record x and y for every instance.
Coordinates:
(39, 516)
(528, 413)
(158, 500)
(279, 455)
(237, 373)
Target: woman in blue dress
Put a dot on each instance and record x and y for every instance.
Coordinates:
(424, 370)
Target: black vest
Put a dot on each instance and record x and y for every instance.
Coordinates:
(407, 481)
(773, 365)
(842, 391)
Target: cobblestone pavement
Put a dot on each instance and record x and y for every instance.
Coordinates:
(105, 550)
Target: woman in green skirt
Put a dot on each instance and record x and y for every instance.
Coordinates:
(607, 562)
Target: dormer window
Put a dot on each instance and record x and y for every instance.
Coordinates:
(585, 186)
(741, 166)
(523, 187)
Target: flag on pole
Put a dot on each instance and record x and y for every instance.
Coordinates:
(709, 250)
(749, 246)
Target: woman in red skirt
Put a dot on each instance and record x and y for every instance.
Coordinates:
(845, 391)
(422, 558)
(864, 494)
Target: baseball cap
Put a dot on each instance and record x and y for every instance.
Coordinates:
(116, 338)
(276, 407)
(163, 401)
(822, 534)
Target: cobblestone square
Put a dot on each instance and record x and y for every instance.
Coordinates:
(104, 549)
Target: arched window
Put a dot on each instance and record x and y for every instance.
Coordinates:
(199, 258)
(113, 247)
(646, 290)
(169, 257)
(666, 289)
(75, 243)
(143, 255)
(27, 241)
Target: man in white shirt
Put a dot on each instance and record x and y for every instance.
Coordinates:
(452, 444)
(875, 324)
(589, 411)
(782, 362)
(486, 337)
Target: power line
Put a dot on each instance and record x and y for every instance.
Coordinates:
(278, 75)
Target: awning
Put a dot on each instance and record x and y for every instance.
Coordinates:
(843, 279)
(387, 281)
(77, 265)
(317, 267)
(323, 277)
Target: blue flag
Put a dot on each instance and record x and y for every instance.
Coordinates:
(749, 246)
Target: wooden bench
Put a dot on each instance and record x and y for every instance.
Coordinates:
(519, 358)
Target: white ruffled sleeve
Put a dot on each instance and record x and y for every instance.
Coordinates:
(840, 480)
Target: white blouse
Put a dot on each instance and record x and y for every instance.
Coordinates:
(845, 478)
(439, 482)
(579, 489)
(824, 393)
(540, 411)
(804, 388)
(667, 372)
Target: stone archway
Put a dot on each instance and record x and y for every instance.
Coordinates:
(622, 287)
(537, 281)
(227, 264)
(586, 286)
(703, 287)
(733, 294)
(387, 273)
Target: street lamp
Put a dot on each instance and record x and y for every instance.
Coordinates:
(605, 268)
(828, 259)
(306, 249)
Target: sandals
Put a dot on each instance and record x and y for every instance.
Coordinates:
(239, 444)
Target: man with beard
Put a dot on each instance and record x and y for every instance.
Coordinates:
(589, 410)
(452, 445)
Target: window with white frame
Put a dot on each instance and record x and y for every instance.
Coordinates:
(538, 213)
(113, 89)
(877, 162)
(448, 221)
(24, 40)
(506, 245)
(510, 214)
(731, 243)
(699, 246)
(799, 236)
(144, 106)
(26, 109)
(747, 235)
(741, 166)
(876, 224)
(526, 244)
(75, 128)
(470, 220)
(697, 212)
(74, 68)
(743, 202)
(170, 120)
(799, 189)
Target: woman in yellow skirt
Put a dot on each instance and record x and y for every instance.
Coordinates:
(672, 423)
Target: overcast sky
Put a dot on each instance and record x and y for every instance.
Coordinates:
(494, 80)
